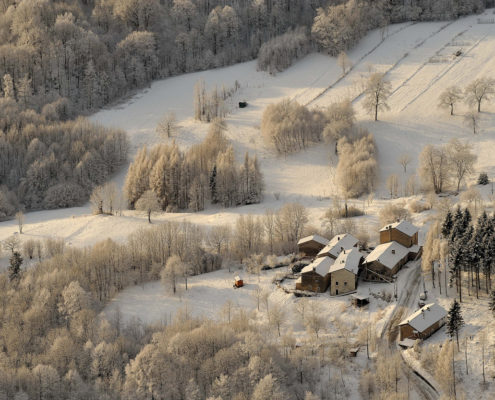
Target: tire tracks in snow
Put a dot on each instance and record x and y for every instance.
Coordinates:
(422, 66)
(441, 74)
(341, 78)
(421, 385)
(399, 61)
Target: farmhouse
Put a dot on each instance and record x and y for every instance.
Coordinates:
(385, 261)
(423, 323)
(402, 232)
(344, 272)
(310, 246)
(316, 276)
(337, 244)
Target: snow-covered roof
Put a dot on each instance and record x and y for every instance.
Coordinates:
(315, 238)
(360, 296)
(321, 266)
(425, 317)
(348, 259)
(403, 226)
(334, 247)
(388, 254)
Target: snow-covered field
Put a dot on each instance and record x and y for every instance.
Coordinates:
(307, 177)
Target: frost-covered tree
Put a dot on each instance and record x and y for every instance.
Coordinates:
(344, 62)
(148, 202)
(449, 98)
(479, 90)
(461, 160)
(377, 92)
(167, 126)
(434, 167)
(472, 120)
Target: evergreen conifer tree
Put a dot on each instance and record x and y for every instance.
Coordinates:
(454, 321)
(213, 185)
(447, 225)
(15, 263)
(491, 304)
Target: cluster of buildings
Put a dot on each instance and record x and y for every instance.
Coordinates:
(338, 263)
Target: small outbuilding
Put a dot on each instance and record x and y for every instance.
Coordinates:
(344, 272)
(238, 282)
(337, 244)
(310, 246)
(423, 323)
(359, 300)
(402, 232)
(316, 276)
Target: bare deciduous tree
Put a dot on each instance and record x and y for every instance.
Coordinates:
(472, 120)
(479, 90)
(344, 62)
(449, 98)
(378, 89)
(167, 126)
(461, 159)
(393, 185)
(20, 220)
(433, 167)
(277, 316)
(404, 160)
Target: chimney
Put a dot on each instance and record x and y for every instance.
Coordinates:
(338, 237)
(423, 313)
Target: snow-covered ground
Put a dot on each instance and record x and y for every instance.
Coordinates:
(418, 59)
(307, 177)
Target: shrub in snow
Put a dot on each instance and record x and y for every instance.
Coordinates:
(416, 206)
(483, 179)
(392, 212)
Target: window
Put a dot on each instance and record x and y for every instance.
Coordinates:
(336, 284)
(345, 283)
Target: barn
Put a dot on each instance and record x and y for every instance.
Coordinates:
(310, 246)
(316, 276)
(344, 272)
(337, 244)
(423, 323)
(385, 261)
(402, 232)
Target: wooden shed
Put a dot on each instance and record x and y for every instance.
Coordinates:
(238, 282)
(402, 232)
(316, 276)
(359, 300)
(423, 323)
(310, 246)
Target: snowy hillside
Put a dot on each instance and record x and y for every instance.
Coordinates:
(405, 51)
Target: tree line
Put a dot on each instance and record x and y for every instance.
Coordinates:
(206, 172)
(91, 52)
